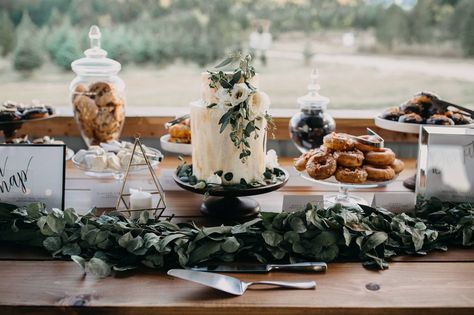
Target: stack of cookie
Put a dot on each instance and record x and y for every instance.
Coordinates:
(350, 160)
(99, 111)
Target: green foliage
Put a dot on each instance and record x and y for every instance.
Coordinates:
(7, 34)
(27, 55)
(68, 51)
(100, 244)
(465, 22)
(392, 26)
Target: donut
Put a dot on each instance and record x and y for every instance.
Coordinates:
(411, 118)
(410, 108)
(338, 141)
(380, 158)
(397, 166)
(379, 173)
(460, 119)
(35, 113)
(351, 175)
(439, 119)
(353, 158)
(392, 113)
(365, 147)
(321, 167)
(300, 163)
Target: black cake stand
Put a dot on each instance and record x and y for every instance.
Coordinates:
(228, 202)
(10, 128)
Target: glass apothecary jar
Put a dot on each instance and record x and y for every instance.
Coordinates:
(97, 94)
(309, 126)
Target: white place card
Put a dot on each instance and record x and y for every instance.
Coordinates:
(32, 173)
(292, 203)
(105, 195)
(396, 202)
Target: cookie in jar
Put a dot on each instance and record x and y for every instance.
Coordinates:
(98, 94)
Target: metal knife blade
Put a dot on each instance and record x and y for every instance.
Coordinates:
(306, 267)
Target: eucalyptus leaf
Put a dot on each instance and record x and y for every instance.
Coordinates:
(98, 267)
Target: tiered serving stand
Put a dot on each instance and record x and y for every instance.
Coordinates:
(227, 202)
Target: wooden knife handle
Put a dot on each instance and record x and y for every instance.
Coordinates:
(305, 266)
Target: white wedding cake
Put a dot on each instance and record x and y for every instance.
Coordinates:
(228, 127)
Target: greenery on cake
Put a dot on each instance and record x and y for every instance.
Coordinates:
(234, 92)
(272, 175)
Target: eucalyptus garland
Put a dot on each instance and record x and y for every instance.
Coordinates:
(101, 244)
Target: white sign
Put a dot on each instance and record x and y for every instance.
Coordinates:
(32, 173)
(105, 195)
(292, 203)
(396, 202)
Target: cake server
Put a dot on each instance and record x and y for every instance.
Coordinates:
(233, 285)
(305, 266)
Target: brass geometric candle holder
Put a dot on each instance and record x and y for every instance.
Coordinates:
(161, 204)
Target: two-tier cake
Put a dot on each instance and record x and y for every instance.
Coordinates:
(229, 126)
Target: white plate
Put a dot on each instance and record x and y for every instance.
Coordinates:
(181, 148)
(408, 127)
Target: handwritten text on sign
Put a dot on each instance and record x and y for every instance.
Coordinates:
(32, 173)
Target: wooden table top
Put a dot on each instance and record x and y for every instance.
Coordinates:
(32, 283)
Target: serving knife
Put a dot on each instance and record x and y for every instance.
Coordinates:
(233, 285)
(305, 266)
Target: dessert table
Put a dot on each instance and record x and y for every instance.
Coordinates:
(32, 283)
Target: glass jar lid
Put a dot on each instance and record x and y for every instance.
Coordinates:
(95, 61)
(313, 100)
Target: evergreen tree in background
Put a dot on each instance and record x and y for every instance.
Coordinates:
(392, 26)
(68, 51)
(467, 30)
(27, 55)
(7, 34)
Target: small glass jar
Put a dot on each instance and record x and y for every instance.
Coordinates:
(97, 94)
(312, 123)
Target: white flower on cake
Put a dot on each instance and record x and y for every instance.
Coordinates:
(239, 93)
(214, 179)
(223, 97)
(271, 160)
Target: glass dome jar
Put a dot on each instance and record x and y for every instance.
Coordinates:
(97, 94)
(309, 126)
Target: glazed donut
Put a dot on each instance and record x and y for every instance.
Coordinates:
(438, 119)
(367, 148)
(352, 158)
(321, 167)
(411, 107)
(379, 173)
(411, 118)
(300, 163)
(382, 158)
(351, 175)
(397, 166)
(338, 141)
(9, 115)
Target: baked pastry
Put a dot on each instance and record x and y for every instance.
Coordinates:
(380, 158)
(8, 114)
(351, 175)
(338, 141)
(365, 147)
(397, 166)
(321, 167)
(35, 113)
(99, 110)
(411, 118)
(300, 163)
(353, 158)
(439, 119)
(392, 113)
(379, 173)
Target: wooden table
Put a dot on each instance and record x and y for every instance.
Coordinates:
(31, 283)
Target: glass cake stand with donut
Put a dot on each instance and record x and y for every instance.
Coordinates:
(343, 196)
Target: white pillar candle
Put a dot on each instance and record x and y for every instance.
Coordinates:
(139, 200)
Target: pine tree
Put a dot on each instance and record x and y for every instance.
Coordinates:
(27, 55)
(7, 34)
(467, 30)
(68, 51)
